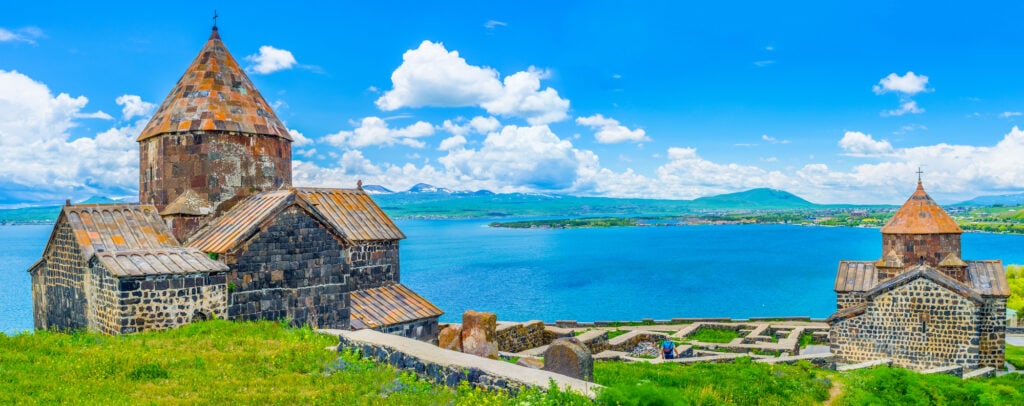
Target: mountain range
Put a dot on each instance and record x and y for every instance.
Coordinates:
(427, 201)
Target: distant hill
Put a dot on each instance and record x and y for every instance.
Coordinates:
(1006, 200)
(425, 188)
(377, 190)
(756, 199)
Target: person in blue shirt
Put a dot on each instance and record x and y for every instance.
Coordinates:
(669, 350)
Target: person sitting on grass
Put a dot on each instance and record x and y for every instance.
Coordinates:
(669, 350)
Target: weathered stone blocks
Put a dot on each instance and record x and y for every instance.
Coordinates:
(478, 334)
(568, 356)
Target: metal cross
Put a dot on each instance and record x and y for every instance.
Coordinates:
(919, 172)
(215, 19)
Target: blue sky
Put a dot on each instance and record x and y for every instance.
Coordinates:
(834, 102)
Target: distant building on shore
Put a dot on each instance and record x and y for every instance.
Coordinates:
(221, 232)
(921, 305)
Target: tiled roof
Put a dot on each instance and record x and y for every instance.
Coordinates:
(921, 215)
(353, 213)
(988, 278)
(117, 227)
(856, 276)
(389, 305)
(240, 222)
(214, 94)
(159, 262)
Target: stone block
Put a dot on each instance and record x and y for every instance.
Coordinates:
(450, 338)
(569, 357)
(478, 337)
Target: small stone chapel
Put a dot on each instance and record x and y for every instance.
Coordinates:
(921, 305)
(221, 232)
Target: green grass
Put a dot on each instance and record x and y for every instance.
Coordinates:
(742, 382)
(1015, 356)
(894, 386)
(217, 362)
(615, 333)
(714, 335)
(806, 339)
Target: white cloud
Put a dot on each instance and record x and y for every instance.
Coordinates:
(26, 34)
(133, 106)
(1009, 114)
(491, 24)
(39, 162)
(478, 125)
(375, 131)
(906, 106)
(857, 143)
(432, 76)
(453, 142)
(764, 63)
(908, 84)
(609, 131)
(270, 60)
(773, 140)
(298, 139)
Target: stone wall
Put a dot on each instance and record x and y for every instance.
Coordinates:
(422, 329)
(912, 247)
(992, 333)
(163, 302)
(61, 284)
(102, 292)
(919, 325)
(372, 264)
(294, 268)
(516, 337)
(217, 166)
(848, 300)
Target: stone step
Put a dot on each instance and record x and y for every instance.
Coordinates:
(867, 364)
(986, 372)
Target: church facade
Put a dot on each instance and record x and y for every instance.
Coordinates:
(221, 232)
(921, 305)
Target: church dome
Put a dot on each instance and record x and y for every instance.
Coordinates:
(921, 215)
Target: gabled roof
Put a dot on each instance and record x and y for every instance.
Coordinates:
(951, 260)
(985, 278)
(188, 203)
(131, 240)
(349, 213)
(921, 215)
(214, 94)
(388, 305)
(924, 271)
(117, 227)
(241, 222)
(171, 261)
(352, 212)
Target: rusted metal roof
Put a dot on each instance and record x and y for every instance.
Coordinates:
(240, 222)
(173, 261)
(214, 94)
(353, 213)
(856, 276)
(988, 278)
(921, 215)
(389, 305)
(117, 227)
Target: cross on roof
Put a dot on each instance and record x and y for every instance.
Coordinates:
(215, 19)
(919, 172)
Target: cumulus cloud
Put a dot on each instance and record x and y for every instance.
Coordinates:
(478, 125)
(906, 106)
(609, 131)
(908, 84)
(26, 34)
(857, 143)
(375, 131)
(269, 60)
(39, 160)
(299, 139)
(433, 76)
(133, 106)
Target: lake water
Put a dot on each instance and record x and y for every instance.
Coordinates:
(591, 274)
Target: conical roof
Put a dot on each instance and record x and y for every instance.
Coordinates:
(214, 94)
(921, 215)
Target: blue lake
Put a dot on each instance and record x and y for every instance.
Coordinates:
(591, 274)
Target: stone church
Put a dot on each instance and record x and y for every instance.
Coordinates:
(221, 232)
(921, 305)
